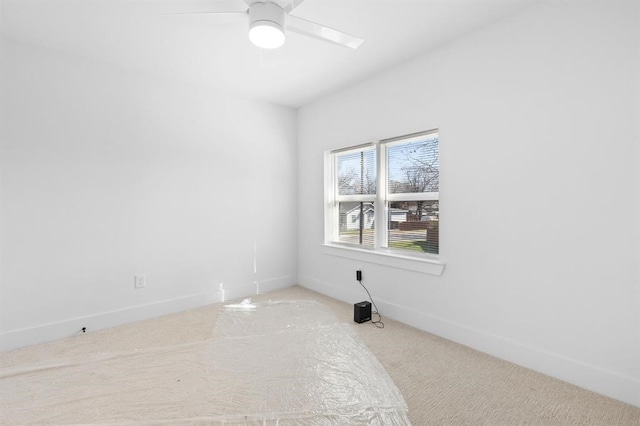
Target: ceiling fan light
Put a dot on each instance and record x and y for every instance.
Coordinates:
(266, 23)
(266, 34)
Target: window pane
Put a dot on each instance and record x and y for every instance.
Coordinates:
(356, 172)
(356, 223)
(414, 225)
(414, 166)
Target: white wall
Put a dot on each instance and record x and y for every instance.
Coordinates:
(537, 121)
(107, 173)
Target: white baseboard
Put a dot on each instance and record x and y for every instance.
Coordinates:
(61, 329)
(277, 283)
(236, 291)
(608, 383)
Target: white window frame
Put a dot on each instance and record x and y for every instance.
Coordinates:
(331, 216)
(380, 253)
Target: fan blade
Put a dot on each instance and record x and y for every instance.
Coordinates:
(302, 26)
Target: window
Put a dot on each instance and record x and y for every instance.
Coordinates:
(355, 193)
(384, 196)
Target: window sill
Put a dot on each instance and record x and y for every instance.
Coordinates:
(394, 260)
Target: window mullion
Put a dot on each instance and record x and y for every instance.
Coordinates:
(413, 196)
(382, 215)
(356, 198)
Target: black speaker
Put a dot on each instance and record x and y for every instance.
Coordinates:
(362, 312)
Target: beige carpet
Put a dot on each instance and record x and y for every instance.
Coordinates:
(443, 383)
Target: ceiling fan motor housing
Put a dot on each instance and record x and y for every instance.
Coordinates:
(266, 17)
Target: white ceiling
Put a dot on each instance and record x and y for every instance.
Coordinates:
(216, 52)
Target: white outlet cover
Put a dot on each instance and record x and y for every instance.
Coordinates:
(139, 281)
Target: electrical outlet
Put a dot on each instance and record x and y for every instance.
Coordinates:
(139, 281)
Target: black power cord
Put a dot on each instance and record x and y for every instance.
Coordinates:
(379, 322)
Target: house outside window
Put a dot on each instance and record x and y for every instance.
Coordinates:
(384, 196)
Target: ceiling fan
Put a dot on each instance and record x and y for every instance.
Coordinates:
(268, 20)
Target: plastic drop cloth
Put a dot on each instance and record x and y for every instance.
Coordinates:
(276, 363)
